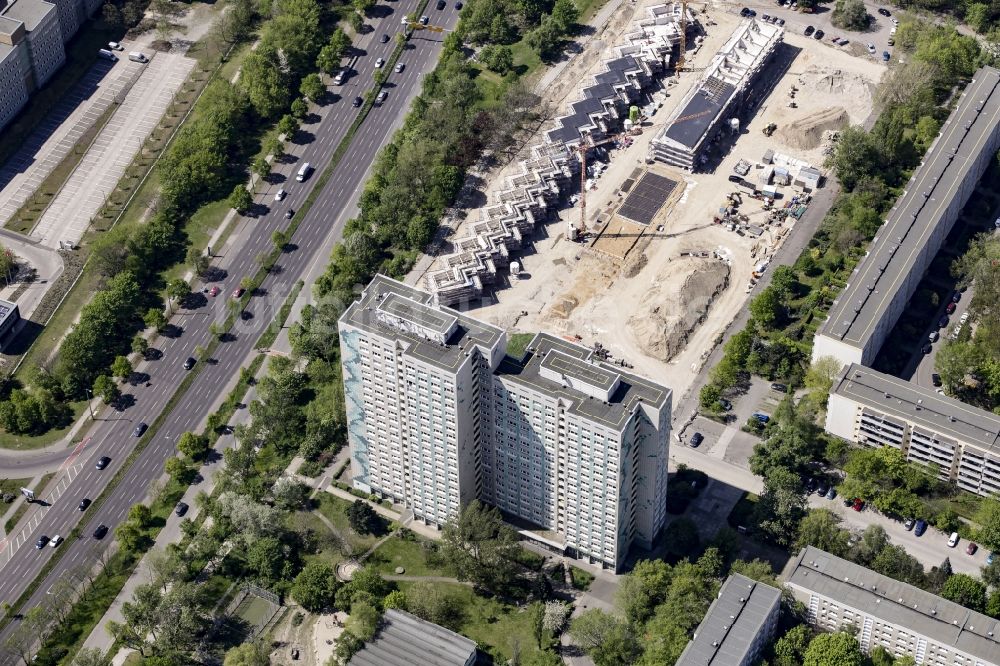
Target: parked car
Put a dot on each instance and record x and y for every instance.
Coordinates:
(745, 12)
(871, 49)
(926, 349)
(809, 30)
(696, 440)
(726, 405)
(891, 42)
(458, 5)
(908, 524)
(181, 508)
(810, 485)
(766, 17)
(943, 321)
(883, 11)
(139, 429)
(950, 308)
(818, 34)
(101, 531)
(971, 549)
(831, 493)
(441, 4)
(933, 336)
(956, 297)
(885, 56)
(760, 416)
(920, 527)
(84, 503)
(780, 388)
(821, 488)
(858, 505)
(102, 462)
(935, 379)
(424, 20)
(953, 540)
(115, 46)
(780, 21)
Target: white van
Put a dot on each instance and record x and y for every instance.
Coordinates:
(138, 56)
(339, 79)
(304, 172)
(953, 540)
(107, 55)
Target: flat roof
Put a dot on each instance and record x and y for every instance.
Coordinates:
(922, 406)
(405, 640)
(30, 12)
(895, 250)
(647, 198)
(612, 413)
(894, 602)
(701, 112)
(602, 87)
(733, 622)
(385, 295)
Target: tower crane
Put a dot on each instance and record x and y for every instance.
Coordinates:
(583, 147)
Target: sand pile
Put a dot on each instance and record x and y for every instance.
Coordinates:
(828, 87)
(671, 313)
(807, 133)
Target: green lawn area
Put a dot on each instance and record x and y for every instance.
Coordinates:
(494, 626)
(329, 548)
(517, 343)
(335, 510)
(411, 555)
(588, 8)
(12, 486)
(742, 513)
(30, 442)
(23, 508)
(581, 579)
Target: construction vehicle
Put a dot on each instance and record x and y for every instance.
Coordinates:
(769, 130)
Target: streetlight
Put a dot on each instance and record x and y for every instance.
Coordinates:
(89, 405)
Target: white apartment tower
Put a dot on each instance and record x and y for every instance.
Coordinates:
(558, 440)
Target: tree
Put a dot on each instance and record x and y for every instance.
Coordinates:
(121, 368)
(555, 616)
(434, 604)
(107, 389)
(312, 87)
(111, 15)
(965, 590)
(482, 547)
(363, 518)
(177, 289)
(546, 39)
(850, 15)
(781, 507)
(248, 654)
(315, 586)
(141, 515)
(240, 199)
(179, 470)
(681, 537)
(192, 445)
(395, 599)
(592, 627)
(988, 517)
(497, 58)
(821, 528)
(288, 126)
(199, 261)
(855, 158)
(266, 558)
(290, 494)
(766, 307)
(262, 80)
(618, 648)
(140, 345)
(839, 649)
(299, 108)
(363, 6)
(643, 589)
(991, 573)
(154, 318)
(565, 14)
(91, 656)
(790, 649)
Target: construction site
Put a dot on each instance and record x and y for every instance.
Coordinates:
(688, 144)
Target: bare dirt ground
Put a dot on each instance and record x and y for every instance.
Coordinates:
(655, 308)
(315, 638)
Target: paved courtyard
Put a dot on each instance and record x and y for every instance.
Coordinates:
(69, 215)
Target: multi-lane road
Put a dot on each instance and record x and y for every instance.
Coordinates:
(112, 436)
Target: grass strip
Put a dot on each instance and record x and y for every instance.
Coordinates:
(21, 510)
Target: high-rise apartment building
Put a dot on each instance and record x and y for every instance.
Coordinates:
(438, 415)
(31, 50)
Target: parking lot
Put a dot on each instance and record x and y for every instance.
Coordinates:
(69, 215)
(58, 133)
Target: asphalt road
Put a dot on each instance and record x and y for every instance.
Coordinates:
(112, 435)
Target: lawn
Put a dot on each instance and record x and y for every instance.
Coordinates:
(517, 343)
(329, 547)
(411, 555)
(12, 486)
(21, 510)
(495, 626)
(30, 442)
(581, 579)
(335, 510)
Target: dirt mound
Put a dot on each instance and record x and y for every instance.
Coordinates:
(807, 133)
(672, 313)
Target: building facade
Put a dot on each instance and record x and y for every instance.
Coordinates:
(439, 415)
(739, 624)
(901, 618)
(961, 442)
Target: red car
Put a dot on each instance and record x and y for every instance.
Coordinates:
(950, 309)
(859, 504)
(971, 550)
(214, 291)
(238, 292)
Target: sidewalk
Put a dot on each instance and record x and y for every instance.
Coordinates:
(100, 638)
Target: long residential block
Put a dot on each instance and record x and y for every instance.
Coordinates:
(31, 50)
(738, 625)
(901, 618)
(438, 415)
(876, 409)
(876, 294)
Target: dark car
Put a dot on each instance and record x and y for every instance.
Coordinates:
(84, 503)
(920, 527)
(357, 102)
(956, 297)
(763, 418)
(884, 12)
(926, 349)
(810, 484)
(831, 493)
(819, 34)
(290, 213)
(752, 13)
(943, 321)
(441, 4)
(766, 17)
(189, 363)
(181, 508)
(458, 5)
(821, 489)
(745, 12)
(885, 56)
(809, 30)
(102, 462)
(735, 179)
(950, 308)
(139, 429)
(781, 388)
(697, 439)
(936, 379)
(726, 405)
(42, 540)
(384, 39)
(101, 531)
(971, 549)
